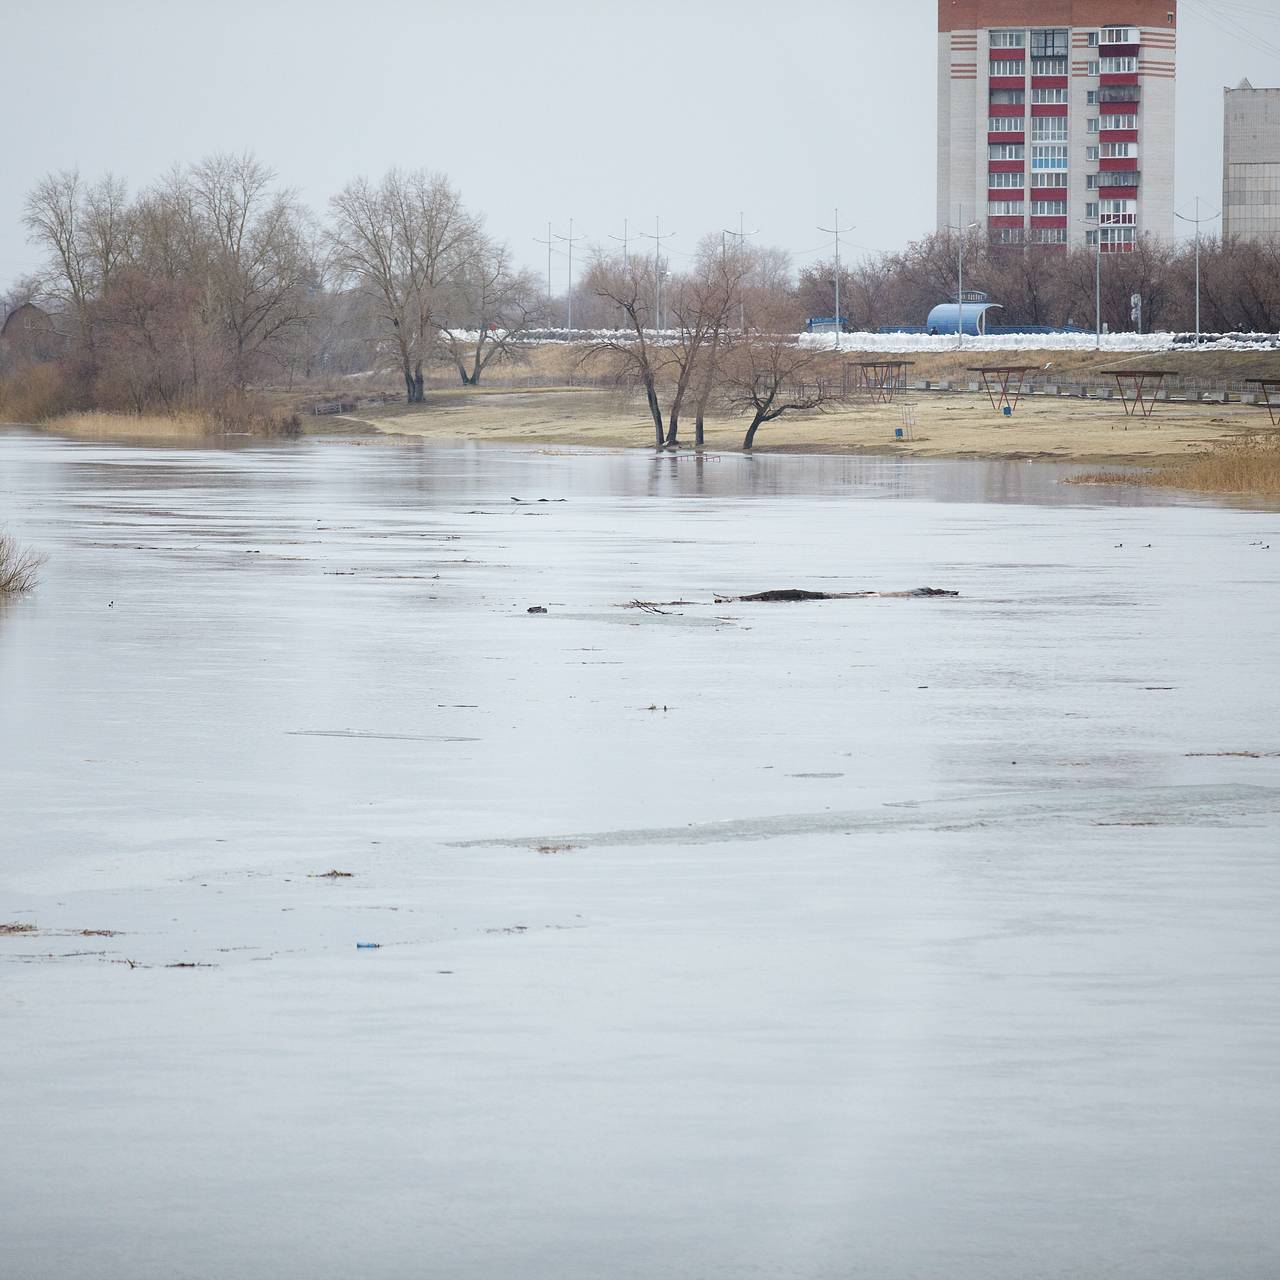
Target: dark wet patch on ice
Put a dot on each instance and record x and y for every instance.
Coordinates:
(815, 775)
(388, 737)
(1201, 806)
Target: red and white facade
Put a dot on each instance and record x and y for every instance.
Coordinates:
(1055, 119)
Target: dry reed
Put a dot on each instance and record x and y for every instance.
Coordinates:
(1248, 464)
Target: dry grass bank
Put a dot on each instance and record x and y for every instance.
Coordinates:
(1244, 465)
(945, 425)
(182, 427)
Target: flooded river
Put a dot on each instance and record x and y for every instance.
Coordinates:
(886, 937)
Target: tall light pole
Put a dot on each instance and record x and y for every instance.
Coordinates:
(570, 239)
(549, 241)
(837, 230)
(742, 244)
(962, 229)
(1198, 220)
(1097, 277)
(623, 238)
(657, 237)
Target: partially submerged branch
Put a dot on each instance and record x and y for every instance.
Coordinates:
(18, 567)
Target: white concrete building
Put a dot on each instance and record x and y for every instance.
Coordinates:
(1251, 163)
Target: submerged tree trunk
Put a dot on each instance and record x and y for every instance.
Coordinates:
(704, 392)
(655, 410)
(752, 429)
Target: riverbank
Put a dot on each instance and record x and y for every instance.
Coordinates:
(959, 425)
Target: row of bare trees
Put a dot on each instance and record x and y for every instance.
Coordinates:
(1053, 286)
(217, 278)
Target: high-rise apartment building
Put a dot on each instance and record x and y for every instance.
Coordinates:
(1055, 119)
(1251, 163)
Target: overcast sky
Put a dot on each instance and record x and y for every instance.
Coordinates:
(693, 111)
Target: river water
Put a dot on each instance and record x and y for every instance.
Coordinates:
(887, 937)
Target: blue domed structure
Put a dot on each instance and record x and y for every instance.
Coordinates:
(946, 316)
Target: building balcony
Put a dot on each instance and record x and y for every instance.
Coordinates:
(1120, 93)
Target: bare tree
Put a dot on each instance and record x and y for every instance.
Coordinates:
(765, 376)
(707, 304)
(399, 242)
(636, 358)
(489, 307)
(52, 217)
(260, 259)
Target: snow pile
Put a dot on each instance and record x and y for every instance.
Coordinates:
(941, 343)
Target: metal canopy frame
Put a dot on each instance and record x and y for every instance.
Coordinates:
(1145, 384)
(1003, 383)
(1270, 388)
(880, 379)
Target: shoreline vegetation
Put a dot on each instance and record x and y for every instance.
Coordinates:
(547, 399)
(19, 567)
(1211, 449)
(1247, 465)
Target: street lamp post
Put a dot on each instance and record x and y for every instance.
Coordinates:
(963, 230)
(837, 230)
(1097, 278)
(1198, 220)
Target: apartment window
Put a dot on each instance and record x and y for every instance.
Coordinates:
(1117, 212)
(1115, 122)
(1005, 67)
(1117, 235)
(1117, 66)
(1091, 69)
(1006, 151)
(1005, 180)
(1053, 42)
(1091, 97)
(1119, 35)
(1008, 39)
(1006, 124)
(1048, 95)
(1048, 66)
(1054, 157)
(1049, 208)
(1048, 128)
(1119, 150)
(1091, 210)
(1055, 179)
(1048, 235)
(1091, 124)
(1007, 235)
(1093, 39)
(1004, 208)
(1008, 97)
(1091, 237)
(1091, 153)
(1091, 181)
